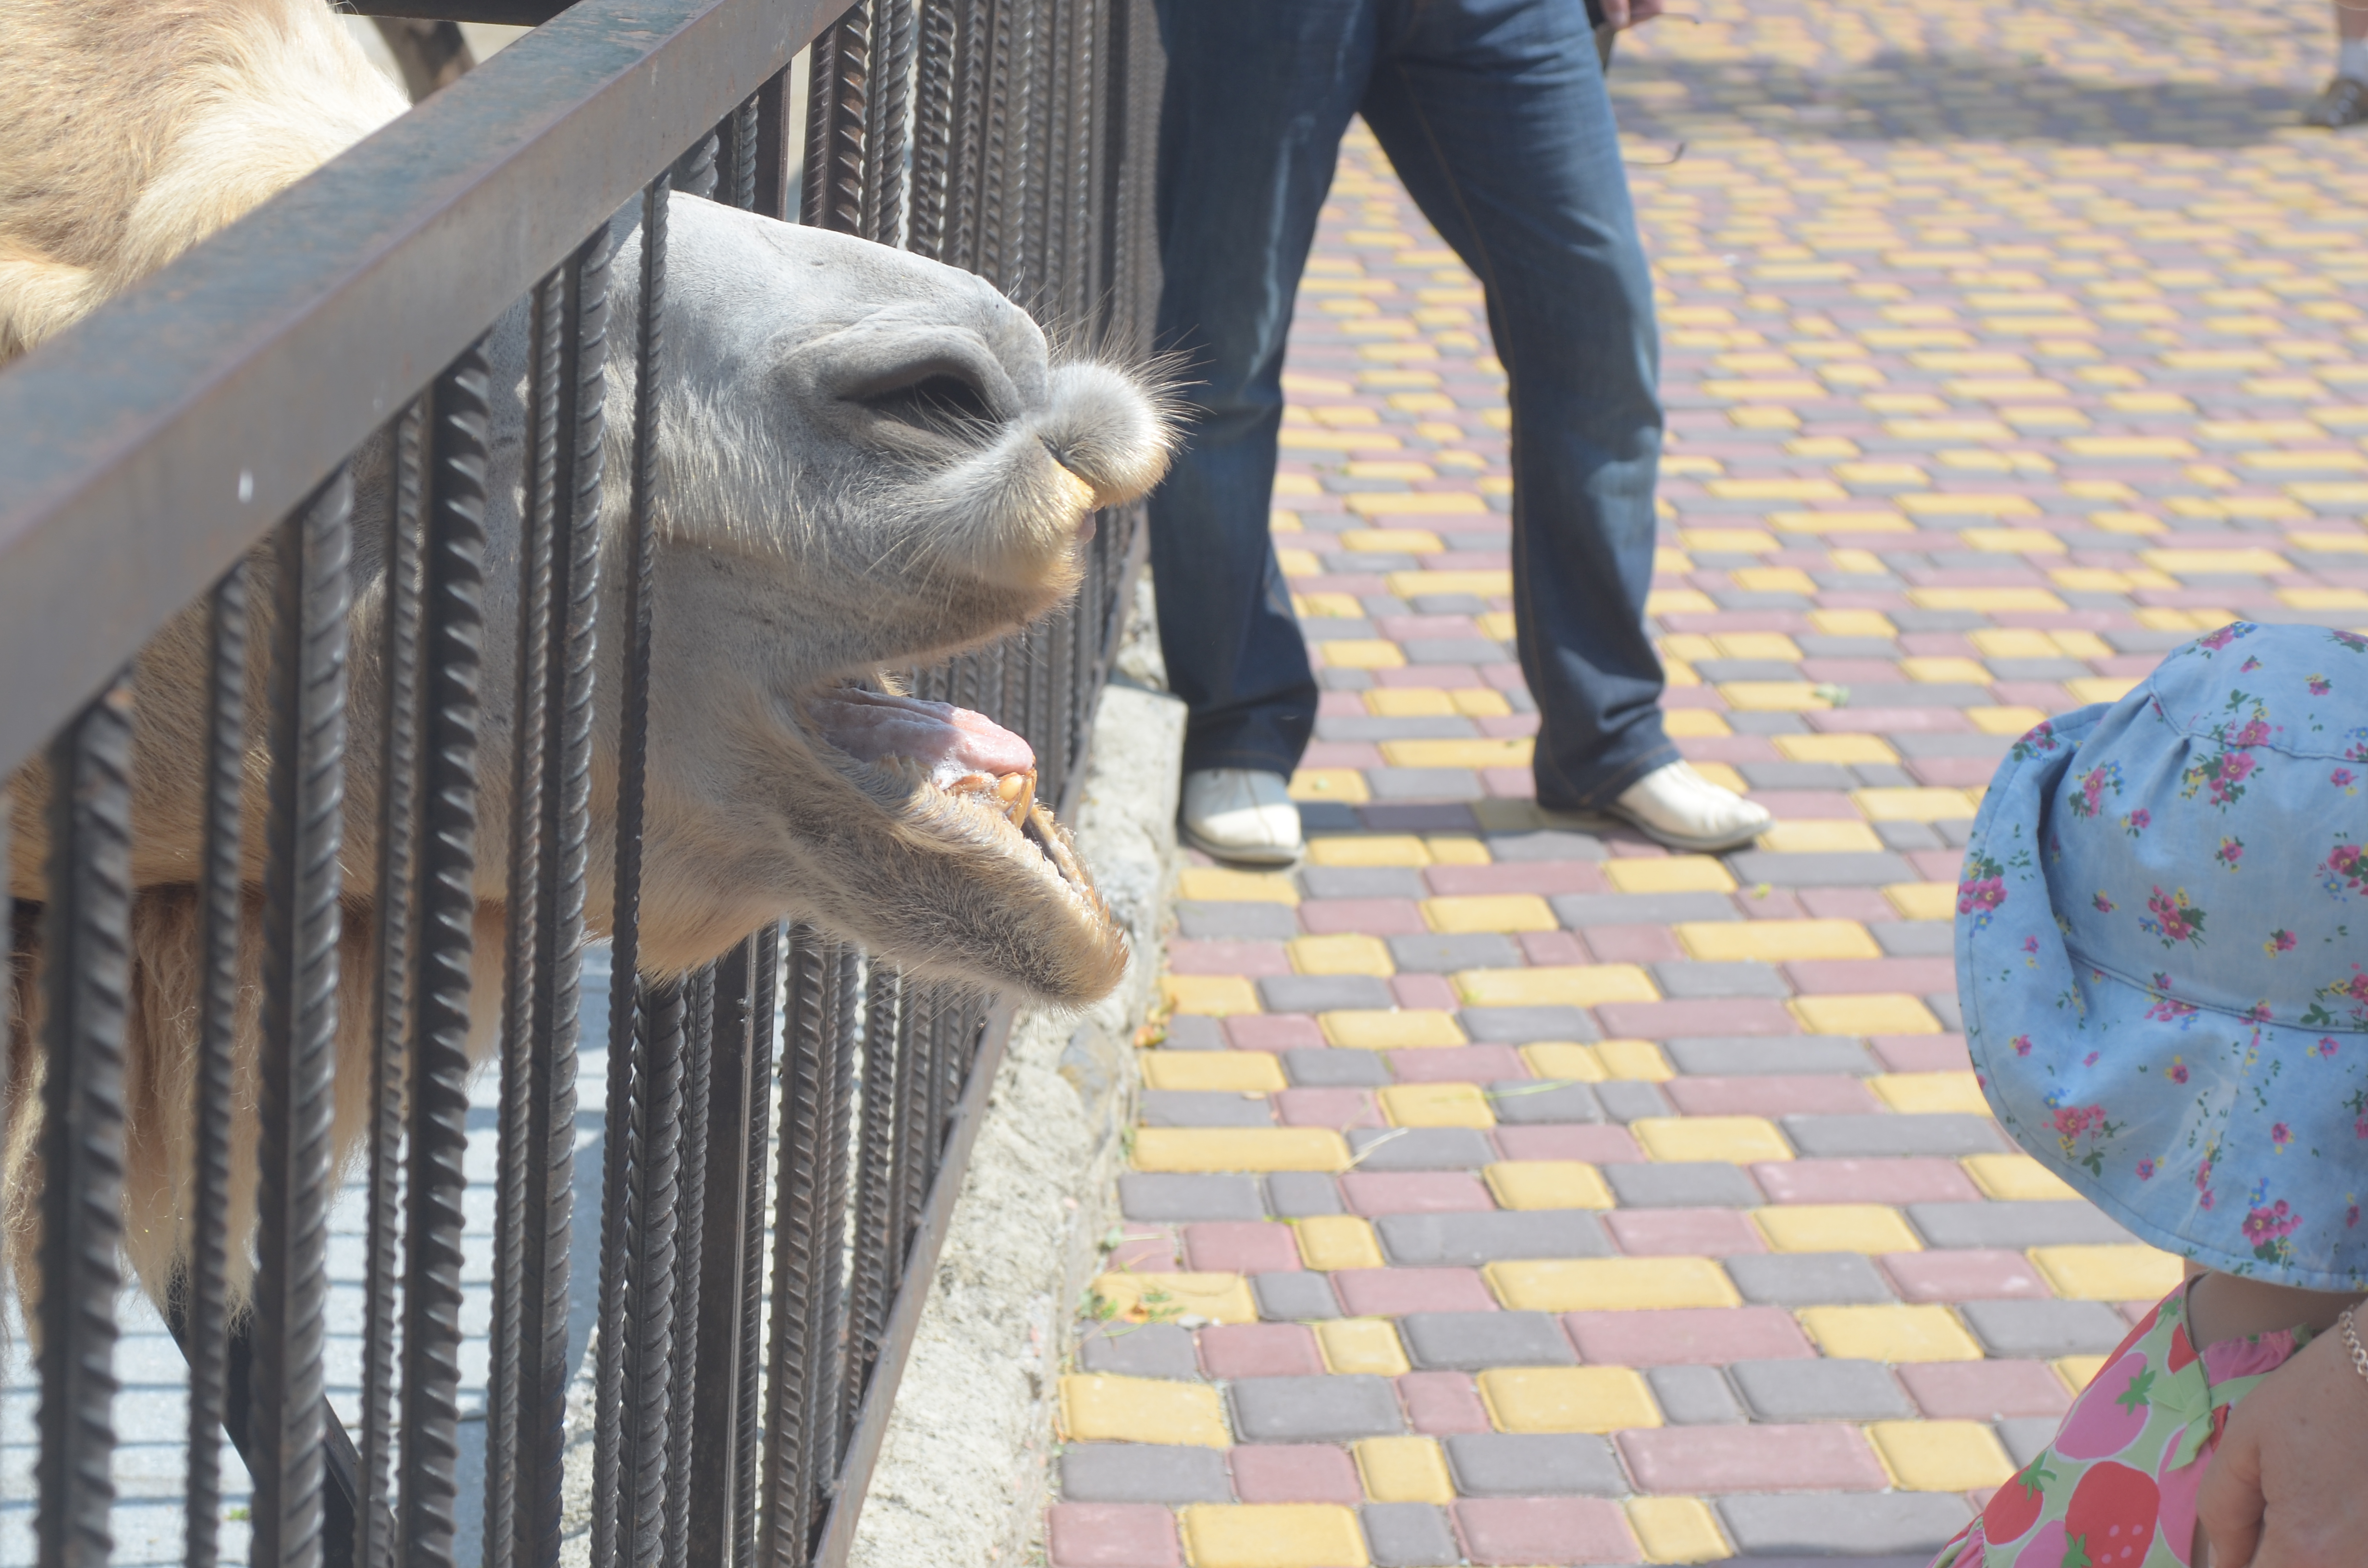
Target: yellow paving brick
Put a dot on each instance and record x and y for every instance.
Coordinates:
(1568, 986)
(1330, 607)
(1392, 1029)
(1142, 1410)
(2004, 721)
(1912, 804)
(1835, 748)
(1547, 1184)
(1773, 580)
(1677, 1530)
(1361, 1345)
(1403, 1470)
(1480, 701)
(1890, 1333)
(1870, 1228)
(2004, 642)
(1216, 884)
(2324, 598)
(1853, 622)
(1633, 1060)
(1435, 1104)
(1778, 489)
(1250, 1072)
(1163, 1298)
(1774, 696)
(1942, 1456)
(1754, 541)
(1363, 654)
(1988, 600)
(1680, 601)
(1565, 1059)
(1493, 911)
(1346, 785)
(1457, 753)
(1694, 721)
(1756, 645)
(2212, 563)
(1409, 701)
(1737, 1139)
(1775, 941)
(1884, 1013)
(1923, 901)
(1567, 1399)
(1487, 585)
(1929, 1091)
(2077, 1371)
(1327, 1242)
(1341, 953)
(1669, 873)
(1422, 503)
(1359, 849)
(1211, 996)
(2012, 541)
(1821, 836)
(2016, 1177)
(2126, 1272)
(1935, 671)
(1457, 849)
(1239, 1149)
(1272, 1535)
(1298, 562)
(2100, 689)
(1393, 541)
(1610, 1284)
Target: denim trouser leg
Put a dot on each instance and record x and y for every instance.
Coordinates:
(1494, 113)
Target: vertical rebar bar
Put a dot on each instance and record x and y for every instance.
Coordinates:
(886, 105)
(765, 983)
(866, 1312)
(690, 1224)
(788, 1516)
(832, 194)
(657, 1113)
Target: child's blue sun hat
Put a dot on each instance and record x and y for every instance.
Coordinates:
(2162, 952)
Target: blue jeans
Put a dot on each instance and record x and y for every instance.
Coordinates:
(1494, 115)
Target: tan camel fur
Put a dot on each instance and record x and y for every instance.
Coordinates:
(869, 461)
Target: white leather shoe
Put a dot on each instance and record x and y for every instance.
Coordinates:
(1241, 813)
(1683, 809)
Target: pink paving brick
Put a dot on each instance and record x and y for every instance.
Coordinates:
(1544, 877)
(1294, 1473)
(1458, 1064)
(1442, 1403)
(1508, 783)
(1240, 1246)
(1688, 1336)
(1752, 1458)
(1393, 1292)
(1596, 1146)
(1341, 754)
(1450, 675)
(1339, 1109)
(1634, 944)
(1726, 748)
(1951, 772)
(1803, 1093)
(1414, 1192)
(1770, 903)
(1937, 865)
(1545, 1530)
(1864, 1181)
(1880, 721)
(1807, 805)
(1260, 1350)
(1682, 1232)
(1917, 977)
(1965, 1274)
(1145, 1250)
(1274, 1031)
(1227, 957)
(2047, 695)
(1984, 1391)
(1549, 949)
(1667, 1020)
(1432, 993)
(1111, 1535)
(1922, 1053)
(1847, 904)
(1370, 916)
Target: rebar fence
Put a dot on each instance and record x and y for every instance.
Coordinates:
(786, 1128)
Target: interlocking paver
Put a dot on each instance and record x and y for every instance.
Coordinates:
(1410, 1535)
(1329, 1409)
(2044, 1328)
(1753, 1459)
(1294, 1473)
(1694, 1396)
(1533, 1464)
(1110, 1535)
(1143, 1472)
(1545, 1530)
(1819, 1390)
(1141, 1350)
(1472, 1341)
(1471, 1240)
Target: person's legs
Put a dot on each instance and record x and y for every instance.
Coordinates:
(2345, 100)
(1495, 114)
(1257, 96)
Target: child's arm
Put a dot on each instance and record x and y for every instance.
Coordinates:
(2289, 1486)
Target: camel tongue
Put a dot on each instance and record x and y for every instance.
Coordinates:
(869, 725)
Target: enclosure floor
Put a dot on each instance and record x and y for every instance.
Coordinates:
(1526, 1197)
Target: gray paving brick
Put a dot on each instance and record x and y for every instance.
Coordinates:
(1863, 1524)
(1522, 1101)
(2052, 1222)
(1336, 1068)
(1696, 982)
(1882, 1134)
(1366, 727)
(1912, 619)
(1444, 954)
(1335, 680)
(1806, 1279)
(1911, 744)
(1151, 1350)
(1547, 844)
(1819, 1390)
(1425, 784)
(1955, 832)
(1795, 775)
(1335, 1409)
(1295, 1194)
(1363, 881)
(2045, 1329)
(1237, 922)
(1523, 1464)
(2026, 1436)
(1323, 992)
(1749, 1056)
(1580, 910)
(1758, 724)
(2058, 668)
(1882, 776)
(1694, 1396)
(1830, 869)
(1906, 836)
(1193, 1031)
(1523, 1025)
(1629, 1100)
(2146, 640)
(1470, 1240)
(1916, 939)
(1452, 650)
(1468, 1342)
(1820, 645)
(1946, 1009)
(1687, 1183)
(1410, 1534)
(1143, 1472)
(1294, 1296)
(1444, 604)
(1173, 1198)
(1204, 1108)
(1420, 1149)
(1719, 670)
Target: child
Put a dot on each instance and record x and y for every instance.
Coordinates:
(2161, 930)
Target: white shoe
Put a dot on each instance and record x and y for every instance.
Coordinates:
(1241, 813)
(1685, 810)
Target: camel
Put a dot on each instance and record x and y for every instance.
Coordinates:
(870, 461)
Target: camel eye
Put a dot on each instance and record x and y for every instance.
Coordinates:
(943, 402)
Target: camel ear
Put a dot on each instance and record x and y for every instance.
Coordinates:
(40, 298)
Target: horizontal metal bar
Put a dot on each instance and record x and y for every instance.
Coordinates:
(145, 449)
(502, 12)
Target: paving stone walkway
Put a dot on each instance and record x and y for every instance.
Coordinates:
(1529, 1197)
